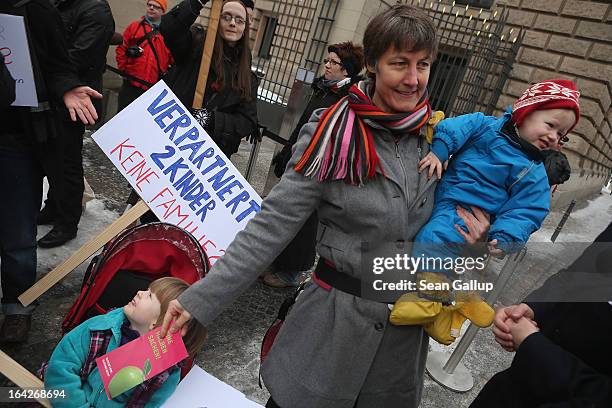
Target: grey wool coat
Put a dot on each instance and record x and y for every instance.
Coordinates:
(335, 350)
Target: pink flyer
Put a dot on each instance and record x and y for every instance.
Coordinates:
(140, 359)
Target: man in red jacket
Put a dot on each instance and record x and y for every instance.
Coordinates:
(143, 56)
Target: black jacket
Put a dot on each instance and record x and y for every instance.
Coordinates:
(321, 97)
(7, 85)
(89, 28)
(234, 116)
(53, 73)
(569, 362)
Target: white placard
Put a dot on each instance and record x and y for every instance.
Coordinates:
(178, 170)
(14, 47)
(201, 390)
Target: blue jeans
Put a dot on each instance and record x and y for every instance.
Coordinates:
(21, 189)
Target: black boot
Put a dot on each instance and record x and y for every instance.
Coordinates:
(57, 236)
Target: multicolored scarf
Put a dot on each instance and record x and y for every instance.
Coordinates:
(342, 147)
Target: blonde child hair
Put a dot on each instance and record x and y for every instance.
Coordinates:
(167, 289)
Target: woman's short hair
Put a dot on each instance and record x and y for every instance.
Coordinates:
(351, 56)
(404, 27)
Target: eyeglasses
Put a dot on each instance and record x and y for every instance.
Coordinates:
(331, 61)
(154, 7)
(228, 19)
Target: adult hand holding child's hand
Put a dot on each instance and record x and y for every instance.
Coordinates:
(180, 316)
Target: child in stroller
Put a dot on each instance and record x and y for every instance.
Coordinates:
(130, 263)
(73, 363)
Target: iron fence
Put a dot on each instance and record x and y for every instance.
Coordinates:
(299, 40)
(475, 56)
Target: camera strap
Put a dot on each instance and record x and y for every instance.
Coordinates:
(147, 37)
(160, 73)
(128, 76)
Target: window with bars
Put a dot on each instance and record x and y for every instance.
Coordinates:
(448, 69)
(268, 37)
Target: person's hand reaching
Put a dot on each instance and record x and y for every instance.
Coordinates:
(79, 105)
(175, 319)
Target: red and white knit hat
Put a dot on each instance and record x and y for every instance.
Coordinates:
(550, 94)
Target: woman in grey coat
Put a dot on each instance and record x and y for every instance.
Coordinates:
(357, 165)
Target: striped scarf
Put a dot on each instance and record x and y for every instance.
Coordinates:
(342, 147)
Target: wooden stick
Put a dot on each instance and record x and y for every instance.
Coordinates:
(209, 46)
(20, 376)
(83, 253)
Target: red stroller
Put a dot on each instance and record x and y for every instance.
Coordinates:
(130, 262)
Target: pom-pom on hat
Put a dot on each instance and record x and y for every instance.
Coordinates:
(550, 94)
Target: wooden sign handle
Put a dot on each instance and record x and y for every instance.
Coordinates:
(87, 250)
(209, 46)
(20, 376)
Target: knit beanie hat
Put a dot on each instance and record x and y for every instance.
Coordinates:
(550, 94)
(162, 3)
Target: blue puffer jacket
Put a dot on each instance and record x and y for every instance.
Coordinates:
(492, 171)
(70, 355)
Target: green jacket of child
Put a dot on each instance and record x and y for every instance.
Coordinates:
(69, 357)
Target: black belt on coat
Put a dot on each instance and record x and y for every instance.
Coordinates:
(328, 274)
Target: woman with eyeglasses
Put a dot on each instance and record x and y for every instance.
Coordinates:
(341, 68)
(143, 56)
(356, 165)
(229, 111)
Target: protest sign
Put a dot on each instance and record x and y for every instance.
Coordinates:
(199, 389)
(178, 170)
(14, 48)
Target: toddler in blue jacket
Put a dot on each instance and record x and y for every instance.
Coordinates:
(497, 167)
(72, 366)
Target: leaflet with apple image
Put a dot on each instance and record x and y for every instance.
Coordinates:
(135, 362)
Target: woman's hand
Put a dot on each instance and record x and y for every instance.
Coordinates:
(434, 164)
(180, 316)
(477, 223)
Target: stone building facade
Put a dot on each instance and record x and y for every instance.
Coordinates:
(570, 39)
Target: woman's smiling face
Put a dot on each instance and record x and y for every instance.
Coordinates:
(401, 79)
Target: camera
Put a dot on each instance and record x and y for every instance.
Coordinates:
(134, 51)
